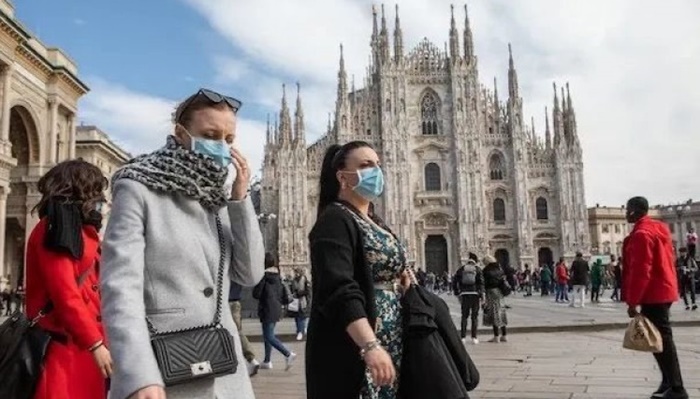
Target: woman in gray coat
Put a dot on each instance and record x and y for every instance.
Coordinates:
(162, 249)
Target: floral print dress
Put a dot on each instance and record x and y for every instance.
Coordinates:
(386, 257)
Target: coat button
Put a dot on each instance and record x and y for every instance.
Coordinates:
(95, 287)
(98, 318)
(208, 292)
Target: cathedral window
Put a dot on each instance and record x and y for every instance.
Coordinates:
(496, 167)
(432, 177)
(429, 114)
(542, 209)
(499, 211)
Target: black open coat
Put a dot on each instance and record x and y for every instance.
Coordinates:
(343, 292)
(435, 363)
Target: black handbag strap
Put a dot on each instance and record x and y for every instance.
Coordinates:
(219, 288)
(49, 305)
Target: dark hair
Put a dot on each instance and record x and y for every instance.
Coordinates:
(579, 255)
(269, 260)
(75, 181)
(333, 161)
(638, 205)
(192, 104)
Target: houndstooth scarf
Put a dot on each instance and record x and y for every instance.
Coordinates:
(174, 169)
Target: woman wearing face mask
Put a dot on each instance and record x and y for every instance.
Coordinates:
(62, 269)
(177, 233)
(358, 268)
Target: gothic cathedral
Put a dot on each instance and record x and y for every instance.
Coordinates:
(464, 173)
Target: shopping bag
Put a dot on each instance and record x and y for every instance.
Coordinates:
(642, 335)
(293, 305)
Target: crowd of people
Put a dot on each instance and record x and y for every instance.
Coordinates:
(140, 313)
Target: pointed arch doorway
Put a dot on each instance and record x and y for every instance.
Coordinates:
(436, 258)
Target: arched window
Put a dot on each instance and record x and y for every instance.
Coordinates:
(542, 209)
(432, 177)
(496, 167)
(499, 211)
(429, 114)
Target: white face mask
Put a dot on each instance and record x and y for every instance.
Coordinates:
(230, 178)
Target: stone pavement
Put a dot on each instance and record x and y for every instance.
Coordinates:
(567, 365)
(532, 314)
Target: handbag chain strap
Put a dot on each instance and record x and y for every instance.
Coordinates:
(219, 290)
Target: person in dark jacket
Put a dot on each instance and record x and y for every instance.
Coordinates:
(358, 269)
(580, 276)
(494, 310)
(270, 293)
(234, 302)
(468, 285)
(617, 275)
(686, 268)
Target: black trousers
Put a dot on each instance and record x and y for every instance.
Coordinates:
(691, 250)
(595, 293)
(687, 285)
(470, 309)
(668, 359)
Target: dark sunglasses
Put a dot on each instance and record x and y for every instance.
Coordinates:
(212, 96)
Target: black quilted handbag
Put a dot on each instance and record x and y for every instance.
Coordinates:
(201, 352)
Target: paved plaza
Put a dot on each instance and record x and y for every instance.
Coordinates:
(534, 314)
(567, 365)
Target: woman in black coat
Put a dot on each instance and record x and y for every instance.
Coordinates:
(271, 296)
(352, 306)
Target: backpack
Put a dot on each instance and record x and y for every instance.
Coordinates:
(469, 276)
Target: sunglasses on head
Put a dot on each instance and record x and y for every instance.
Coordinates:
(212, 96)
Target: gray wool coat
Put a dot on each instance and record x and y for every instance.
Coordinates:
(160, 257)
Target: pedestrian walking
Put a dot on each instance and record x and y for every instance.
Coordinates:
(562, 276)
(181, 227)
(494, 310)
(468, 286)
(63, 257)
(301, 290)
(234, 303)
(358, 269)
(580, 276)
(650, 282)
(597, 277)
(691, 242)
(617, 278)
(687, 268)
(545, 279)
(272, 296)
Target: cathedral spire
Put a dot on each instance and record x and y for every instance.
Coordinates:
(468, 38)
(268, 132)
(557, 118)
(547, 132)
(384, 40)
(375, 29)
(285, 119)
(342, 78)
(496, 101)
(513, 89)
(299, 128)
(571, 118)
(454, 37)
(330, 125)
(533, 136)
(398, 38)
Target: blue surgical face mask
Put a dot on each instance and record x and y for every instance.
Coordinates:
(216, 149)
(371, 183)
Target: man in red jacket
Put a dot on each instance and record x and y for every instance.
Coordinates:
(649, 279)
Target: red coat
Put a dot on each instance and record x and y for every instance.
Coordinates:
(69, 371)
(562, 274)
(649, 267)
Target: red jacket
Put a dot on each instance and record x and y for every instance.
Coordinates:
(649, 270)
(69, 371)
(562, 274)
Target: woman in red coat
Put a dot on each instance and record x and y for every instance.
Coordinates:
(62, 269)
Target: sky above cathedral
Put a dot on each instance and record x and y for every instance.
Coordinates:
(632, 66)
